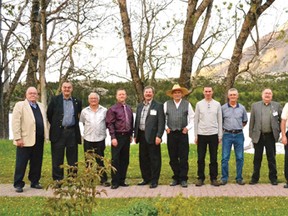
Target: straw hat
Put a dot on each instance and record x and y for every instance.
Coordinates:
(177, 87)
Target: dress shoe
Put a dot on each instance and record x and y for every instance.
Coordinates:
(114, 186)
(223, 182)
(199, 182)
(19, 189)
(174, 182)
(153, 185)
(215, 183)
(184, 184)
(274, 182)
(143, 183)
(105, 184)
(37, 186)
(253, 182)
(286, 185)
(240, 182)
(123, 184)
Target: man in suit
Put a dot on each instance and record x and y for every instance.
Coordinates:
(264, 129)
(63, 115)
(148, 131)
(29, 126)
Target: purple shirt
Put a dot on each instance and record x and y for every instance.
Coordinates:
(116, 120)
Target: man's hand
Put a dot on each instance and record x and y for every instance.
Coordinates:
(20, 143)
(157, 141)
(185, 130)
(114, 142)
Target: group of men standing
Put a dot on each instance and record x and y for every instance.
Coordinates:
(212, 124)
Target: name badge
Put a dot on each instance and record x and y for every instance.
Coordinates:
(275, 113)
(153, 112)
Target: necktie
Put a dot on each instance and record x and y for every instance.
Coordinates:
(126, 118)
(34, 105)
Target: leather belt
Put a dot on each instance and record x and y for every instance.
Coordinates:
(122, 133)
(68, 127)
(233, 131)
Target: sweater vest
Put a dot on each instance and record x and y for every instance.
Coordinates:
(177, 118)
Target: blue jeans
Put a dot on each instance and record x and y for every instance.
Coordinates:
(238, 141)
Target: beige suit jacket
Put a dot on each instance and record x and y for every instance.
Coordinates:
(23, 123)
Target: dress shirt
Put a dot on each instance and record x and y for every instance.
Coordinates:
(234, 117)
(144, 113)
(68, 108)
(266, 110)
(94, 123)
(190, 116)
(116, 120)
(208, 118)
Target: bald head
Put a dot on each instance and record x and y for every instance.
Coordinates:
(32, 94)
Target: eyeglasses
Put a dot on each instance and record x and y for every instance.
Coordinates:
(208, 105)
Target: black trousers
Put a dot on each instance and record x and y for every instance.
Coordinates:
(178, 149)
(120, 159)
(212, 142)
(267, 141)
(150, 159)
(98, 148)
(286, 160)
(34, 154)
(67, 142)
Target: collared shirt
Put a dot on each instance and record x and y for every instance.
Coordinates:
(144, 113)
(266, 126)
(116, 120)
(68, 118)
(234, 117)
(208, 118)
(94, 123)
(34, 105)
(190, 116)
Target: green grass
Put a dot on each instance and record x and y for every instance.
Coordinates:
(7, 155)
(165, 206)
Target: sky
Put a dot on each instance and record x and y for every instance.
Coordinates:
(114, 47)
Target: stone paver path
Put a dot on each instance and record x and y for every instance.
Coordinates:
(229, 190)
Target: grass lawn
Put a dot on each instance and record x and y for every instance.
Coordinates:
(165, 206)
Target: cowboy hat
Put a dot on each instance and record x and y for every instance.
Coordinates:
(178, 88)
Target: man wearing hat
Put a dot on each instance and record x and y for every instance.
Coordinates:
(179, 119)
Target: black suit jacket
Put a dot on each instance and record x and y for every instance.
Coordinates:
(154, 124)
(55, 115)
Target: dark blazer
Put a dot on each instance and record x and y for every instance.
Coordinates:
(255, 120)
(55, 115)
(154, 125)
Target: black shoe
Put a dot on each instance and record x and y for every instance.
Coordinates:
(184, 184)
(253, 182)
(174, 182)
(286, 185)
(123, 184)
(37, 186)
(274, 182)
(223, 182)
(215, 183)
(240, 182)
(199, 183)
(105, 184)
(153, 185)
(143, 183)
(19, 189)
(114, 186)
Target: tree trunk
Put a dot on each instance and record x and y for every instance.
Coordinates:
(31, 79)
(249, 23)
(138, 84)
(189, 47)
